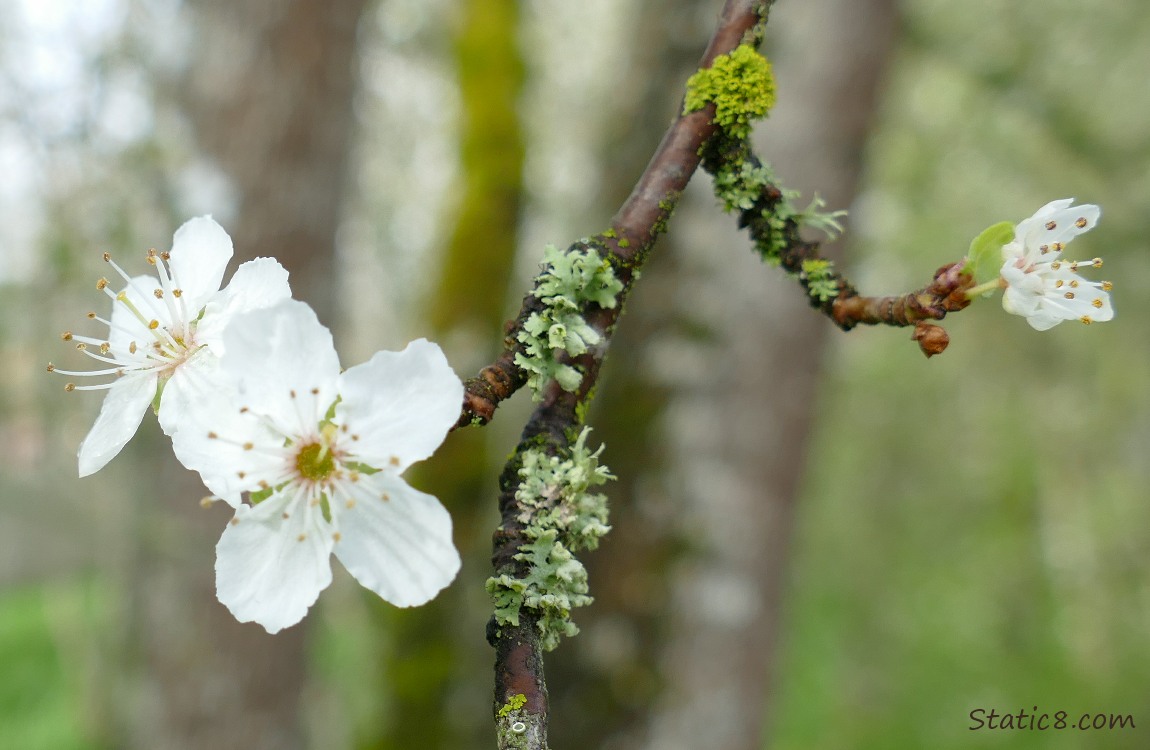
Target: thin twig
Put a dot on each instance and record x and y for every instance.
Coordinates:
(945, 293)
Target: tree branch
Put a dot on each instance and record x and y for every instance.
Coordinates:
(637, 223)
(762, 218)
(521, 708)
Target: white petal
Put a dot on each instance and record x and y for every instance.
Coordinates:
(256, 284)
(1023, 290)
(119, 418)
(277, 351)
(1045, 318)
(401, 547)
(197, 405)
(201, 250)
(270, 569)
(400, 404)
(1060, 224)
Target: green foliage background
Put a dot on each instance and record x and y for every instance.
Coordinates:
(975, 531)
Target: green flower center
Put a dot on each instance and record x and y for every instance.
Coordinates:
(315, 462)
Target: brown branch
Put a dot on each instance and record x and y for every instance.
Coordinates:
(634, 228)
(945, 293)
(638, 222)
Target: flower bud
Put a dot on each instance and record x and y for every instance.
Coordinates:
(931, 338)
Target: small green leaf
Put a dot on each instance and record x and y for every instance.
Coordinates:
(984, 261)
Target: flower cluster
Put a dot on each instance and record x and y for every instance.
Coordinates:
(248, 385)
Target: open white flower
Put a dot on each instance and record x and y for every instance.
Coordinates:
(159, 324)
(1042, 286)
(321, 455)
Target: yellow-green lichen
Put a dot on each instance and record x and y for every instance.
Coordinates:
(819, 277)
(514, 703)
(740, 85)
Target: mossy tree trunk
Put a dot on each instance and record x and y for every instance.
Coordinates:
(437, 677)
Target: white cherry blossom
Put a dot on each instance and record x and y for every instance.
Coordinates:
(319, 455)
(1040, 284)
(159, 324)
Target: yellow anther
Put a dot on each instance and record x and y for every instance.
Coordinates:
(154, 325)
(1044, 249)
(301, 538)
(51, 367)
(1074, 283)
(1097, 263)
(177, 292)
(132, 348)
(1051, 225)
(166, 255)
(107, 257)
(206, 502)
(91, 316)
(101, 284)
(1086, 319)
(70, 387)
(248, 446)
(1058, 247)
(159, 293)
(1058, 284)
(1081, 222)
(66, 335)
(1056, 265)
(1069, 295)
(1097, 302)
(213, 436)
(82, 346)
(105, 347)
(1107, 286)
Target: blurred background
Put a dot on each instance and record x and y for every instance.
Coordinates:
(821, 539)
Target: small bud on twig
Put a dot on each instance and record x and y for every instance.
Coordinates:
(932, 339)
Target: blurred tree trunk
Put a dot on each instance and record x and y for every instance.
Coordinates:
(439, 679)
(743, 401)
(269, 92)
(706, 405)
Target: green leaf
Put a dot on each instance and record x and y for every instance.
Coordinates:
(984, 261)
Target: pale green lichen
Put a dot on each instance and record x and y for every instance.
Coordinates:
(561, 515)
(820, 279)
(568, 283)
(739, 84)
(740, 184)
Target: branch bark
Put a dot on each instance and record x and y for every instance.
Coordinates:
(636, 225)
(633, 231)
